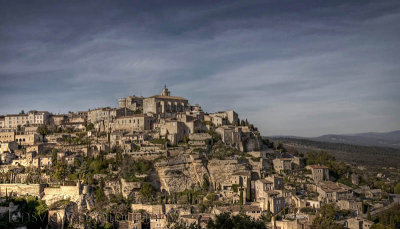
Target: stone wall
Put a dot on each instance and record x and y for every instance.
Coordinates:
(22, 189)
(52, 195)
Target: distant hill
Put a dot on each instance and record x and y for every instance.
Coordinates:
(362, 155)
(386, 139)
(382, 139)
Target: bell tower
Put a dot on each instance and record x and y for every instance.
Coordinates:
(165, 91)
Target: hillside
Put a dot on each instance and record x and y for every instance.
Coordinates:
(363, 155)
(385, 139)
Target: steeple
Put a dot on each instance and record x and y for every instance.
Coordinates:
(165, 91)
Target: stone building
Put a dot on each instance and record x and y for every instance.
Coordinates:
(272, 200)
(282, 165)
(131, 102)
(132, 123)
(165, 103)
(101, 114)
(352, 205)
(31, 118)
(7, 135)
(358, 223)
(319, 172)
(2, 121)
(174, 130)
(28, 139)
(8, 146)
(158, 221)
(331, 192)
(224, 118)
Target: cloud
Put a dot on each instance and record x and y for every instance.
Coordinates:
(305, 69)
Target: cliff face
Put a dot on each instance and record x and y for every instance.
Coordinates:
(187, 171)
(180, 173)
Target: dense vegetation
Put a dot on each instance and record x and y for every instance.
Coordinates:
(227, 221)
(33, 210)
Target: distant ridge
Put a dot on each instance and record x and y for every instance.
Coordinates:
(382, 139)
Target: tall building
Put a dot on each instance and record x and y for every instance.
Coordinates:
(165, 103)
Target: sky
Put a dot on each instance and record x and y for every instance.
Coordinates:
(302, 68)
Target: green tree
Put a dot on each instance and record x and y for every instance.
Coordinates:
(60, 170)
(89, 127)
(226, 221)
(248, 190)
(54, 156)
(206, 183)
(397, 188)
(269, 215)
(146, 192)
(100, 196)
(42, 130)
(369, 213)
(241, 196)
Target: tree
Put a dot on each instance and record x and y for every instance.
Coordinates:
(54, 156)
(60, 171)
(90, 127)
(241, 196)
(206, 183)
(248, 190)
(369, 213)
(397, 188)
(227, 221)
(146, 191)
(100, 196)
(42, 130)
(269, 215)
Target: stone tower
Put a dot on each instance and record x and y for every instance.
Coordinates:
(165, 91)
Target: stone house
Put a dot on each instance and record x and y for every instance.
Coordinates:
(7, 135)
(270, 183)
(374, 193)
(282, 165)
(132, 123)
(71, 159)
(158, 221)
(31, 118)
(302, 203)
(319, 172)
(28, 139)
(175, 130)
(331, 192)
(131, 102)
(8, 146)
(358, 223)
(133, 221)
(274, 200)
(197, 219)
(352, 205)
(101, 114)
(2, 121)
(57, 120)
(45, 161)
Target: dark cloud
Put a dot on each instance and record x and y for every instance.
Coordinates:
(305, 67)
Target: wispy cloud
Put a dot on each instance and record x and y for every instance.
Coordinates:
(305, 69)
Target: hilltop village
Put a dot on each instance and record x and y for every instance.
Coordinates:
(160, 162)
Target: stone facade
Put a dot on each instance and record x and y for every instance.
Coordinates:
(165, 103)
(132, 123)
(319, 172)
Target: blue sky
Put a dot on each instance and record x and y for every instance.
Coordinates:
(291, 67)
